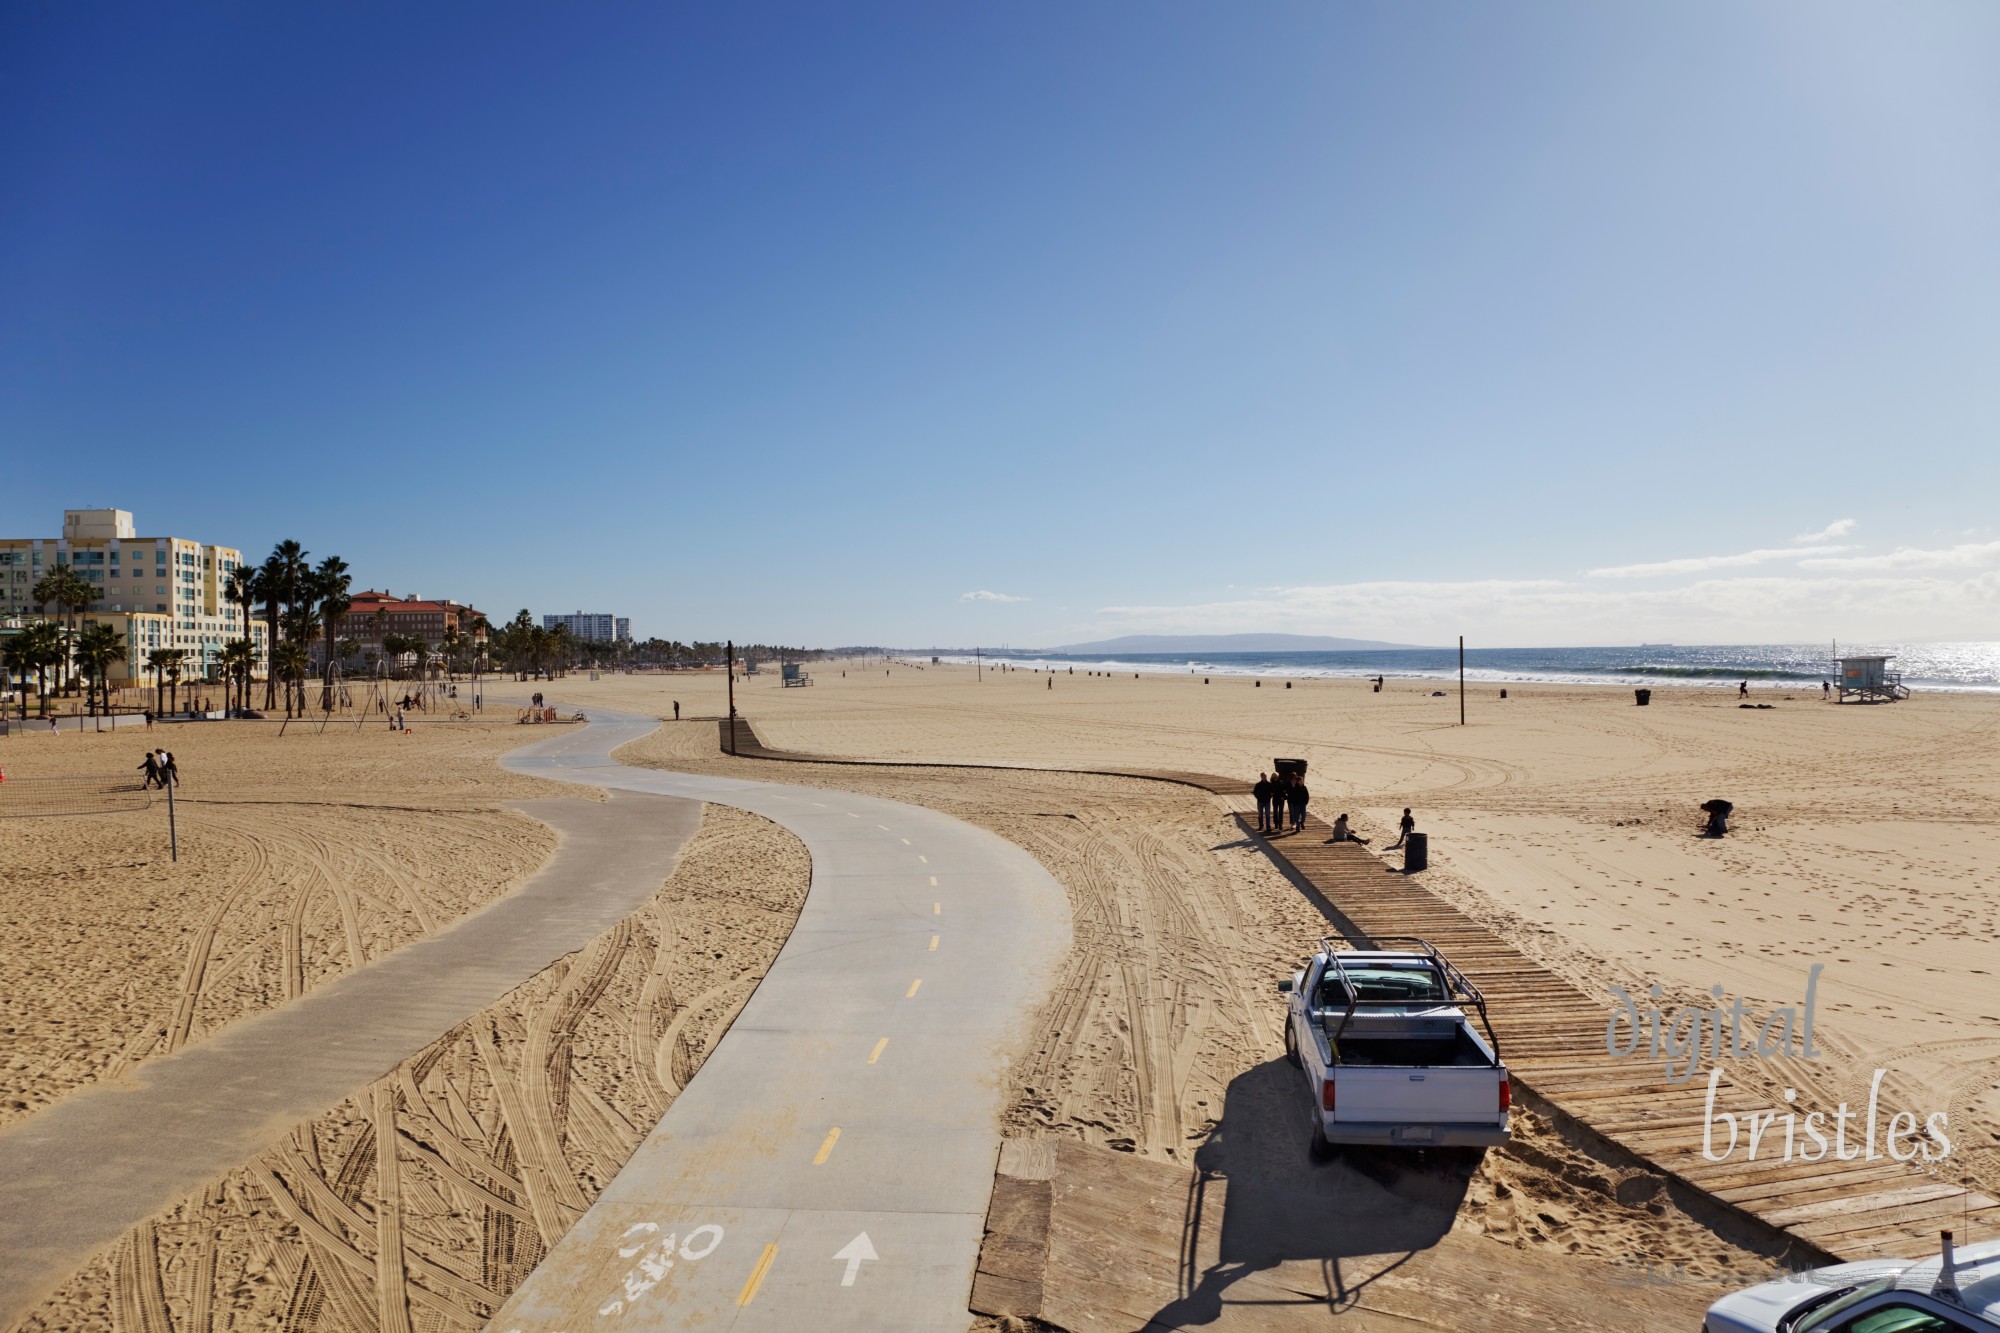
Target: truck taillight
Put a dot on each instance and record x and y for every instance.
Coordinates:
(1326, 1095)
(1506, 1092)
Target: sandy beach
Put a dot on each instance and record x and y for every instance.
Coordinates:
(1566, 818)
(1562, 817)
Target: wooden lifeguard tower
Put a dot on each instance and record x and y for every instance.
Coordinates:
(1868, 680)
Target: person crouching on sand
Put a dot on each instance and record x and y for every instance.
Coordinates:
(1342, 833)
(1262, 791)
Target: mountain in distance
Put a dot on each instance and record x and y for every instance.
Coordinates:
(1230, 643)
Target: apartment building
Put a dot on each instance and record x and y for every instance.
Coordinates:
(592, 627)
(158, 592)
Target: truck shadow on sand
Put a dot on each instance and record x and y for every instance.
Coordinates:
(1278, 1206)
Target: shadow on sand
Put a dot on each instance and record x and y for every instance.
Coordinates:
(1279, 1206)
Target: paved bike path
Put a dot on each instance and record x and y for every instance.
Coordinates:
(829, 1166)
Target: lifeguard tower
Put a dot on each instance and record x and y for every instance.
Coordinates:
(791, 675)
(1868, 680)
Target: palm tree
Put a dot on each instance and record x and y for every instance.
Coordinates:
(97, 647)
(36, 649)
(170, 662)
(70, 591)
(330, 585)
(281, 573)
(238, 657)
(292, 663)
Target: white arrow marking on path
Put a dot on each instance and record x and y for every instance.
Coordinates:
(854, 1252)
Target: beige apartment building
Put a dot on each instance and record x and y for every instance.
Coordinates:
(158, 592)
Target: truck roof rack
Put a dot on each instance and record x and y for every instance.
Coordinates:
(1456, 982)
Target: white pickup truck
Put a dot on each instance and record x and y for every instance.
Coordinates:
(1389, 1055)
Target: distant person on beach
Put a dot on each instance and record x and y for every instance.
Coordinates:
(1405, 827)
(1825, 690)
(1342, 833)
(1262, 791)
(151, 768)
(677, 706)
(1378, 684)
(170, 773)
(149, 719)
(1743, 690)
(1297, 797)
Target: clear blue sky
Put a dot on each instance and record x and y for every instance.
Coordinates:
(804, 323)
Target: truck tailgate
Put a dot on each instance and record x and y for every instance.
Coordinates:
(1402, 1095)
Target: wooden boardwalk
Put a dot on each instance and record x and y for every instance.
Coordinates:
(1552, 1036)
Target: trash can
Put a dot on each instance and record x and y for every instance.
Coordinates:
(1644, 697)
(1416, 853)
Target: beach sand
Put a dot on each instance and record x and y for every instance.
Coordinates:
(299, 856)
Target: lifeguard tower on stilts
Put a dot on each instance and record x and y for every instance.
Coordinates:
(1868, 680)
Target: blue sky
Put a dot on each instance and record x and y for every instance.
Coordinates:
(1544, 323)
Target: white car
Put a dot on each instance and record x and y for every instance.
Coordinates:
(1389, 1056)
(1876, 1296)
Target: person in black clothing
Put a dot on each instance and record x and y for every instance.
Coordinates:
(151, 768)
(1405, 827)
(677, 710)
(1262, 791)
(170, 773)
(1298, 796)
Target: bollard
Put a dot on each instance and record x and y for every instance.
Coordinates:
(1416, 853)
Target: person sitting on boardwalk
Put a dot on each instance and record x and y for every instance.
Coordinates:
(1342, 833)
(1406, 826)
(1297, 796)
(1262, 791)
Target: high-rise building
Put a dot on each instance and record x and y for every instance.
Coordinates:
(592, 627)
(158, 592)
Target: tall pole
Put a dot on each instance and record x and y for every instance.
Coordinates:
(1461, 680)
(729, 668)
(173, 833)
(978, 666)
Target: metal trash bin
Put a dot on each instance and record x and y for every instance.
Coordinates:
(1643, 697)
(1416, 853)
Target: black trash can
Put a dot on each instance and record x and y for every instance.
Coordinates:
(1644, 697)
(1416, 853)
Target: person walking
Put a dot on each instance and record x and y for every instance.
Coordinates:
(1743, 690)
(1262, 791)
(170, 773)
(1404, 828)
(1298, 796)
(149, 719)
(151, 768)
(677, 710)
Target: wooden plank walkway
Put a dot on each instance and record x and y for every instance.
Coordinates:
(1552, 1036)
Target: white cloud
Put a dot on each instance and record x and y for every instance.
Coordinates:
(1701, 564)
(1837, 528)
(1971, 555)
(984, 596)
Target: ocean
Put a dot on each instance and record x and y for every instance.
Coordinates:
(1925, 666)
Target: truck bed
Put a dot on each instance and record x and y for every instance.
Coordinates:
(1459, 1050)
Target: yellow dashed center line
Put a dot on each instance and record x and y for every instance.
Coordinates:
(906, 842)
(826, 1149)
(937, 909)
(749, 1292)
(911, 993)
(934, 940)
(883, 827)
(876, 1054)
(925, 859)
(933, 881)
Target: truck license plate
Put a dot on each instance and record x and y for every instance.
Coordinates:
(1416, 1134)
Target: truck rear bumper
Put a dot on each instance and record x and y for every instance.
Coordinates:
(1401, 1135)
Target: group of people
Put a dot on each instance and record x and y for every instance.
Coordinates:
(160, 770)
(1279, 796)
